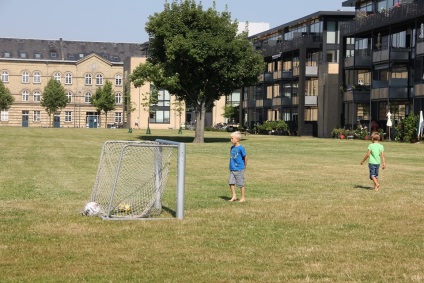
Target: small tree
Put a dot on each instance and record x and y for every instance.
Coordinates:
(231, 113)
(104, 99)
(150, 99)
(179, 109)
(6, 98)
(54, 98)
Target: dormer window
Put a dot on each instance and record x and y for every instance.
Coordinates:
(23, 55)
(53, 54)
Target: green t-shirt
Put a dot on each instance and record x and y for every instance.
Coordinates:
(375, 152)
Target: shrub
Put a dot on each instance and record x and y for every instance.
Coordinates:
(406, 130)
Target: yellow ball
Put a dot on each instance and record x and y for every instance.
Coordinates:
(124, 207)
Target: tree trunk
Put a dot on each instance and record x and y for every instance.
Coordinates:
(200, 124)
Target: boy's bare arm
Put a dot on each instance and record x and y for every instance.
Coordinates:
(366, 157)
(383, 159)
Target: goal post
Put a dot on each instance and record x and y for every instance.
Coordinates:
(134, 177)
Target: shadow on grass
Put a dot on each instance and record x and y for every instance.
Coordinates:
(180, 139)
(170, 211)
(363, 187)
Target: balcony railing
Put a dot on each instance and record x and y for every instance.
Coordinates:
(394, 15)
(419, 90)
(306, 40)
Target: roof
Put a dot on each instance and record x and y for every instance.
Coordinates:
(347, 14)
(60, 50)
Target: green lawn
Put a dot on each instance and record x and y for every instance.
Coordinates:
(310, 214)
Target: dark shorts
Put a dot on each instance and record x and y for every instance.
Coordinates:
(374, 170)
(236, 178)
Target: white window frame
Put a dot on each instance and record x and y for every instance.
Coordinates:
(68, 78)
(118, 80)
(36, 77)
(25, 95)
(4, 76)
(69, 96)
(4, 116)
(57, 76)
(36, 116)
(25, 77)
(118, 117)
(68, 116)
(36, 95)
(99, 79)
(118, 98)
(88, 79)
(87, 97)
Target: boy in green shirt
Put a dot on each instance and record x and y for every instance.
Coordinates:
(375, 151)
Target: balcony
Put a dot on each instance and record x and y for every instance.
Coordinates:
(311, 100)
(357, 96)
(366, 22)
(311, 71)
(263, 103)
(266, 77)
(288, 74)
(358, 61)
(391, 93)
(248, 104)
(419, 90)
(396, 54)
(420, 48)
(305, 40)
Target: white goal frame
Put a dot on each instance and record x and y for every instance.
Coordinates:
(107, 210)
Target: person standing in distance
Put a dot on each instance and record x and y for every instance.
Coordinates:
(375, 154)
(238, 164)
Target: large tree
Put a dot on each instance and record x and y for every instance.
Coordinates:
(54, 97)
(6, 98)
(197, 56)
(104, 99)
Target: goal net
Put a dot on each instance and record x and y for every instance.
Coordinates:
(135, 179)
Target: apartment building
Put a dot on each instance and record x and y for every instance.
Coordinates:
(26, 66)
(300, 83)
(383, 61)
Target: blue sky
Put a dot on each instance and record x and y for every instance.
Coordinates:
(124, 20)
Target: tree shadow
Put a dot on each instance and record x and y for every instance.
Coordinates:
(225, 198)
(363, 187)
(182, 139)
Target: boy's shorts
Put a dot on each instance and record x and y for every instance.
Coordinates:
(374, 170)
(237, 178)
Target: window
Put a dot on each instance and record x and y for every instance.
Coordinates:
(163, 98)
(25, 77)
(36, 77)
(7, 55)
(4, 116)
(159, 116)
(4, 76)
(25, 95)
(57, 76)
(399, 39)
(99, 79)
(68, 78)
(69, 96)
(118, 80)
(23, 55)
(87, 80)
(68, 116)
(331, 32)
(118, 98)
(87, 97)
(37, 95)
(37, 116)
(37, 55)
(118, 117)
(53, 54)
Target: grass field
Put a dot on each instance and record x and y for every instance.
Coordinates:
(310, 214)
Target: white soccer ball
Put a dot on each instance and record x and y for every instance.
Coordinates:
(91, 209)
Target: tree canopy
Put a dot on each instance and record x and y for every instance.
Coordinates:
(197, 56)
(104, 99)
(54, 97)
(6, 98)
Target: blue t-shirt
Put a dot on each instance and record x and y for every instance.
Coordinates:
(237, 154)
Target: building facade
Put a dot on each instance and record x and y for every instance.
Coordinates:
(26, 66)
(383, 65)
(300, 82)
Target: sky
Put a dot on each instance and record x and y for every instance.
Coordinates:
(124, 21)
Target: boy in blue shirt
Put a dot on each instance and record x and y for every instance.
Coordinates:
(375, 151)
(238, 163)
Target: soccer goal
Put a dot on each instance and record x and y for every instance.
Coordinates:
(140, 179)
